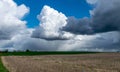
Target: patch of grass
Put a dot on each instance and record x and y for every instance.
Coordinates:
(43, 53)
(2, 68)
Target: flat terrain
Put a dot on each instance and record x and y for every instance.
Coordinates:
(101, 62)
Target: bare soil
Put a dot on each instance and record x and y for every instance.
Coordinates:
(105, 62)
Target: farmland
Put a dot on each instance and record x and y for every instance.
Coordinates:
(98, 62)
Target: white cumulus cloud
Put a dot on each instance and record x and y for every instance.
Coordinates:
(10, 18)
(51, 22)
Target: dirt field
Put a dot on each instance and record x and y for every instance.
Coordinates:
(108, 62)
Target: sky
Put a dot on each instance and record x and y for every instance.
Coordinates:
(68, 7)
(57, 25)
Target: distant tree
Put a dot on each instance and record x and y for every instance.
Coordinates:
(118, 51)
(27, 50)
(14, 51)
(6, 51)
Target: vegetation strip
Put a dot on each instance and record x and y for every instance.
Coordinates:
(30, 53)
(2, 68)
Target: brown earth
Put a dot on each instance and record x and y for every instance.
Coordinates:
(107, 62)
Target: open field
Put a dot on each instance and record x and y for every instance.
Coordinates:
(101, 62)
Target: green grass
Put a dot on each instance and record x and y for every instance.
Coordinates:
(2, 68)
(42, 53)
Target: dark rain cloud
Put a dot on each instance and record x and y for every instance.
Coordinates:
(78, 26)
(105, 17)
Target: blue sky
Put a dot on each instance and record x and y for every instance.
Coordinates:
(77, 8)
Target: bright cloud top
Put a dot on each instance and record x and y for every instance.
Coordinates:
(10, 18)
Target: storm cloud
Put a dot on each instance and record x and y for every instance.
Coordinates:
(105, 17)
(78, 26)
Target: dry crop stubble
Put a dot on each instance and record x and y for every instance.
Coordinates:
(106, 62)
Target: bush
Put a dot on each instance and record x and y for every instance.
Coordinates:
(6, 51)
(27, 50)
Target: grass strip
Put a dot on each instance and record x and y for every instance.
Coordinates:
(2, 68)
